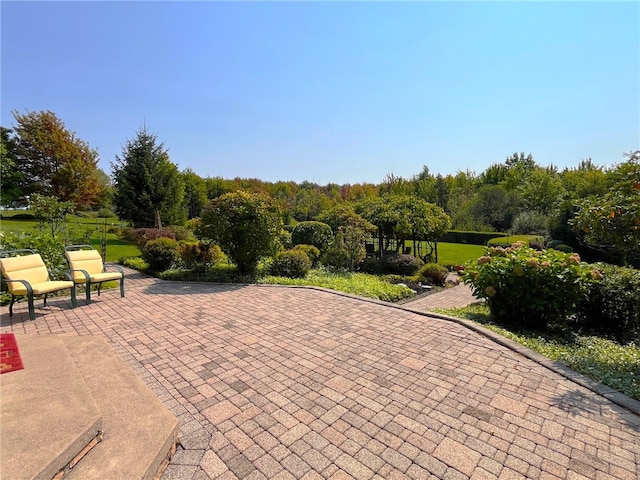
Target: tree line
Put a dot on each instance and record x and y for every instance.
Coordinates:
(587, 203)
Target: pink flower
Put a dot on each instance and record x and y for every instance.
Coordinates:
(533, 262)
(484, 259)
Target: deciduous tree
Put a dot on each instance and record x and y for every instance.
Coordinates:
(612, 220)
(53, 161)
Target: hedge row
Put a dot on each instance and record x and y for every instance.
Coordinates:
(473, 238)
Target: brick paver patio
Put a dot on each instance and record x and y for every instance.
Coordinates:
(294, 383)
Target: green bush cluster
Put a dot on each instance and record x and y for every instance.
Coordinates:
(312, 252)
(433, 273)
(50, 248)
(291, 264)
(161, 253)
(317, 234)
(612, 304)
(528, 287)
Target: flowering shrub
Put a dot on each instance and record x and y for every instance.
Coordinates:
(528, 287)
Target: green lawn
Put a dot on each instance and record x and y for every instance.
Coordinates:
(458, 253)
(81, 227)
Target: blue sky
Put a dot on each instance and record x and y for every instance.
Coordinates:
(342, 92)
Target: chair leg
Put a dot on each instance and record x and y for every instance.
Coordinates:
(88, 292)
(122, 287)
(99, 288)
(45, 299)
(32, 310)
(74, 302)
(13, 300)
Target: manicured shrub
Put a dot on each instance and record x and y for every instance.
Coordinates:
(535, 241)
(612, 304)
(434, 274)
(473, 238)
(23, 216)
(143, 235)
(161, 253)
(337, 254)
(400, 264)
(312, 252)
(527, 287)
(290, 263)
(200, 254)
(317, 234)
(245, 225)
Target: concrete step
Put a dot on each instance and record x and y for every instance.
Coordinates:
(138, 432)
(47, 413)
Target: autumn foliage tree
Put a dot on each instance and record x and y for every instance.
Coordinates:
(52, 161)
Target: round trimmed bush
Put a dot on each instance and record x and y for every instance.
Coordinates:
(290, 263)
(400, 264)
(317, 234)
(199, 254)
(434, 274)
(161, 253)
(312, 252)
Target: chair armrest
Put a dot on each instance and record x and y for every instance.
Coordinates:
(113, 265)
(26, 284)
(69, 275)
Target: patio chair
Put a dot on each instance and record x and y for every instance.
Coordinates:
(86, 267)
(25, 273)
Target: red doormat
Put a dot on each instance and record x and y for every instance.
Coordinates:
(9, 354)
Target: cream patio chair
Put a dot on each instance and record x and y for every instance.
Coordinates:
(25, 273)
(86, 267)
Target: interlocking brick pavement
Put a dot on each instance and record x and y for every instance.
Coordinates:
(293, 383)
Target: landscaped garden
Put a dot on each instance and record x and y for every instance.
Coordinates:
(520, 235)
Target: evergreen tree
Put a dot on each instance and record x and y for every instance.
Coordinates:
(148, 188)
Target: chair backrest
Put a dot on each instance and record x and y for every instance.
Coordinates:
(26, 267)
(88, 260)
